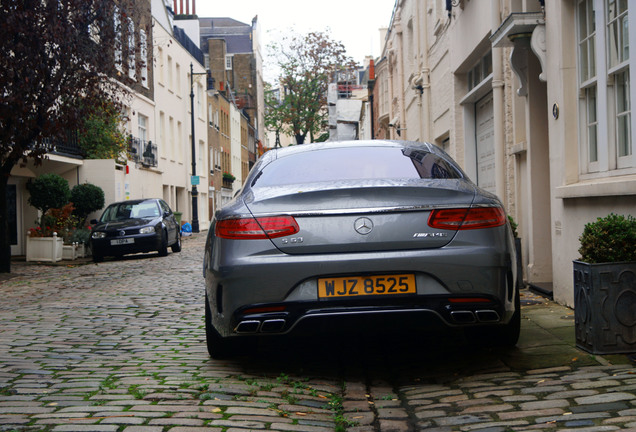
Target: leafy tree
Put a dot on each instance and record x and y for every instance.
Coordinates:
(60, 60)
(306, 63)
(274, 110)
(101, 135)
(48, 191)
(86, 198)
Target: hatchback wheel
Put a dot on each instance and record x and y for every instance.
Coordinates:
(176, 247)
(163, 249)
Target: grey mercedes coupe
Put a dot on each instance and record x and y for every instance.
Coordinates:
(343, 236)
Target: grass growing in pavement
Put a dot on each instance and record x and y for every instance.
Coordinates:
(136, 391)
(292, 396)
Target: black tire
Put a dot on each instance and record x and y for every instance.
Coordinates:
(218, 346)
(97, 258)
(502, 336)
(163, 249)
(176, 247)
(510, 334)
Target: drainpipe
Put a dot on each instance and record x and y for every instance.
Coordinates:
(426, 131)
(498, 107)
(400, 63)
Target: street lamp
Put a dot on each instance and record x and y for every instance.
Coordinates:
(194, 179)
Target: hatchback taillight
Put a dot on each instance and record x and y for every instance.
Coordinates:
(256, 228)
(467, 218)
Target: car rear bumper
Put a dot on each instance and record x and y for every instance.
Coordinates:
(422, 314)
(278, 293)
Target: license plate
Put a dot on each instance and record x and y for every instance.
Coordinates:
(115, 242)
(354, 286)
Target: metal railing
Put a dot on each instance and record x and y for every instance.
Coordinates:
(68, 147)
(143, 152)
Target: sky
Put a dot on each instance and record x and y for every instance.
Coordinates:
(355, 23)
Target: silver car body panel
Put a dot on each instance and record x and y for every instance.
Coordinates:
(283, 271)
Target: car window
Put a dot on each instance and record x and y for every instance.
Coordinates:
(359, 163)
(122, 211)
(164, 206)
(117, 212)
(145, 210)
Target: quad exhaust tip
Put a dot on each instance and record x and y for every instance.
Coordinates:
(250, 326)
(277, 325)
(255, 326)
(470, 317)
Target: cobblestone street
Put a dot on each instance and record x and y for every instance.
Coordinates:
(120, 347)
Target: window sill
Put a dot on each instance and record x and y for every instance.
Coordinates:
(613, 186)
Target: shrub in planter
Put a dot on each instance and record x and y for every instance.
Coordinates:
(86, 198)
(605, 286)
(48, 191)
(609, 239)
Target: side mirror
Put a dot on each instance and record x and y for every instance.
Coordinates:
(93, 222)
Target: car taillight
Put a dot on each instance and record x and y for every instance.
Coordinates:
(467, 218)
(256, 228)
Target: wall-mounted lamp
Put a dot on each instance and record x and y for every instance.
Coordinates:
(450, 4)
(397, 128)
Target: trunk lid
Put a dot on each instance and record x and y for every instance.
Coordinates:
(376, 216)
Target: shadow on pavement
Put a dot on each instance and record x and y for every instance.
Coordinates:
(547, 341)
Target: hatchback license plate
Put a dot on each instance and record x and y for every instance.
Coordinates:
(122, 241)
(354, 286)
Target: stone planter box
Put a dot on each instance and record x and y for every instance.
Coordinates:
(604, 304)
(44, 248)
(73, 251)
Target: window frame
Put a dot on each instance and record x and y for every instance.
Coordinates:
(605, 75)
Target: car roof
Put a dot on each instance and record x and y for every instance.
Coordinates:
(301, 148)
(134, 201)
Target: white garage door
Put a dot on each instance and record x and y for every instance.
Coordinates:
(485, 139)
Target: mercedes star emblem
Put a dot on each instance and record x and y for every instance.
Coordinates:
(363, 225)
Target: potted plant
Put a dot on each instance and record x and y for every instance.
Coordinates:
(605, 286)
(80, 237)
(48, 191)
(227, 177)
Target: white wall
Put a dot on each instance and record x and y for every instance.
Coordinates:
(235, 140)
(173, 133)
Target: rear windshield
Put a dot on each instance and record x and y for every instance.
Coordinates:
(363, 163)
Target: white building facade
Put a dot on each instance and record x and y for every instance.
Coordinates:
(533, 100)
(174, 118)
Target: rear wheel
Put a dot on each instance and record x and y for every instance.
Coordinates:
(504, 336)
(218, 346)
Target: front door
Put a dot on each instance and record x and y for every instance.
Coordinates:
(485, 139)
(14, 221)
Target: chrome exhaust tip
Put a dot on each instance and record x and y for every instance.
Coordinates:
(250, 326)
(272, 325)
(487, 316)
(463, 317)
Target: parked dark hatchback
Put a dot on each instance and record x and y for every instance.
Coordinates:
(135, 226)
